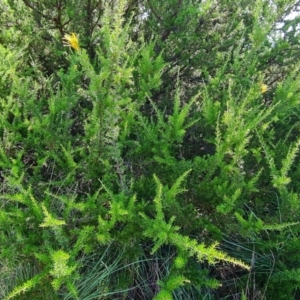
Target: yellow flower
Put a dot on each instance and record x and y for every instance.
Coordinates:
(263, 88)
(71, 40)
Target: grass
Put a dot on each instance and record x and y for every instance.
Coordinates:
(15, 275)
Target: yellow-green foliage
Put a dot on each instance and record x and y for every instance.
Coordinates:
(155, 155)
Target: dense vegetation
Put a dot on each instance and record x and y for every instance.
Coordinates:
(149, 149)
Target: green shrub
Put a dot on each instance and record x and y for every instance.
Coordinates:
(164, 146)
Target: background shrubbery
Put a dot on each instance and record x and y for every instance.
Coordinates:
(150, 163)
